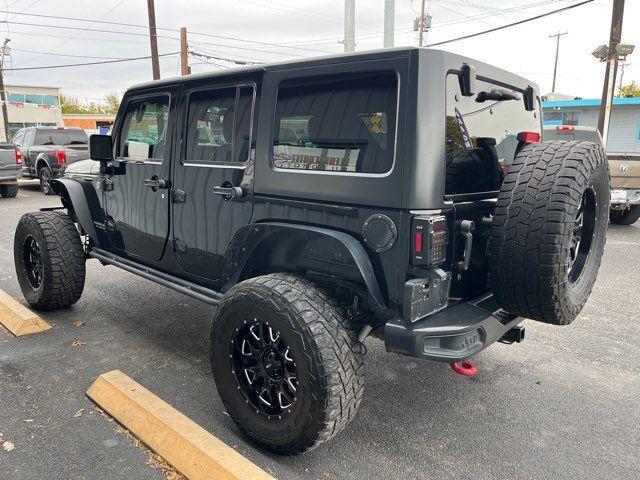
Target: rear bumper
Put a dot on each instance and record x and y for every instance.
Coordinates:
(9, 176)
(450, 335)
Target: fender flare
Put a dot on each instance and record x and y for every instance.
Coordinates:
(250, 237)
(39, 159)
(82, 198)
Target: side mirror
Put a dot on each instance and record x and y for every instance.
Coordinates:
(467, 80)
(101, 147)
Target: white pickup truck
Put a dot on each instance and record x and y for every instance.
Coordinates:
(10, 169)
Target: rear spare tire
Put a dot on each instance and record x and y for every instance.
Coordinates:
(625, 217)
(549, 230)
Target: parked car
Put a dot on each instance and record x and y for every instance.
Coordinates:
(329, 200)
(46, 151)
(624, 167)
(10, 168)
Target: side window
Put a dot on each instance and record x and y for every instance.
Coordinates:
(17, 140)
(337, 123)
(28, 135)
(144, 129)
(219, 125)
(481, 135)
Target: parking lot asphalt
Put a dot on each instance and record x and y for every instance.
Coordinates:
(563, 404)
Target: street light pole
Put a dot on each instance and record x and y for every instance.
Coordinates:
(349, 25)
(609, 86)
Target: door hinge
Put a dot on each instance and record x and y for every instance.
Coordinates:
(178, 196)
(179, 245)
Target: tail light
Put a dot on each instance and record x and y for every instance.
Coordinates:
(18, 157)
(429, 241)
(529, 137)
(62, 157)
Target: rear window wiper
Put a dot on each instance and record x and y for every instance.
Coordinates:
(496, 94)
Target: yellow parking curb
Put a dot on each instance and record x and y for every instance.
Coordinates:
(18, 319)
(184, 444)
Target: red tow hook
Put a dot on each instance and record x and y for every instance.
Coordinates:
(465, 368)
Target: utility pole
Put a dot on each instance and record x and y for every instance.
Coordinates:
(555, 65)
(349, 25)
(609, 86)
(623, 65)
(3, 96)
(389, 22)
(153, 37)
(421, 38)
(184, 52)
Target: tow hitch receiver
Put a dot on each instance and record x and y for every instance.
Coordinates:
(465, 368)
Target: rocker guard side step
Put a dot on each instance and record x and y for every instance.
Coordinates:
(450, 335)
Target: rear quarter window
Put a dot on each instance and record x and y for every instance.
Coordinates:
(336, 123)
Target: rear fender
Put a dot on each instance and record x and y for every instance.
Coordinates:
(279, 245)
(81, 199)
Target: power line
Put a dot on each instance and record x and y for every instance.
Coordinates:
(89, 63)
(502, 27)
(106, 22)
(203, 56)
(66, 54)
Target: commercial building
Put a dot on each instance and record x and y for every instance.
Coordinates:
(624, 127)
(29, 106)
(92, 122)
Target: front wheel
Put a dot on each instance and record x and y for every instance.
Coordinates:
(628, 216)
(49, 260)
(45, 176)
(286, 368)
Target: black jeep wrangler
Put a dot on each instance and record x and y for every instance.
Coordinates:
(400, 193)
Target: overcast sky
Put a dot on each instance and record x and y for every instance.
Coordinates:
(268, 30)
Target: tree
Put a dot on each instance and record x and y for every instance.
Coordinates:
(112, 101)
(630, 90)
(110, 104)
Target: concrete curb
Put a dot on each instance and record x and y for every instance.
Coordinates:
(185, 445)
(18, 319)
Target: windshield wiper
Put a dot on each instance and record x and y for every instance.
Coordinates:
(496, 94)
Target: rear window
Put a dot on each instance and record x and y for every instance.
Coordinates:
(337, 124)
(481, 135)
(60, 137)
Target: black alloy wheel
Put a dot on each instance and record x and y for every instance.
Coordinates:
(45, 177)
(264, 368)
(32, 257)
(583, 230)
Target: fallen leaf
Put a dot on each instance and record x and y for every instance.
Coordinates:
(326, 474)
(79, 323)
(78, 413)
(8, 446)
(78, 343)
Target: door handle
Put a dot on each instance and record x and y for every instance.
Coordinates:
(229, 192)
(155, 183)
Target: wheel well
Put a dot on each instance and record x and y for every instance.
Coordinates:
(313, 255)
(41, 163)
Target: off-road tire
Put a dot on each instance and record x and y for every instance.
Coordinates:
(625, 217)
(63, 259)
(45, 176)
(529, 250)
(329, 361)
(8, 191)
